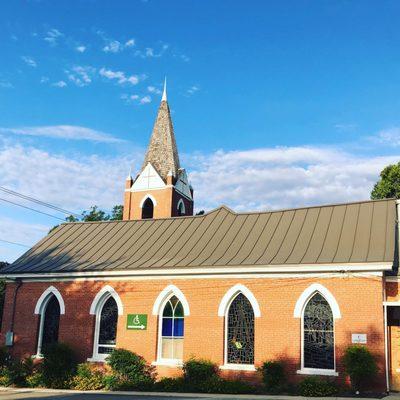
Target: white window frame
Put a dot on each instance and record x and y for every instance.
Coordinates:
(300, 307)
(95, 309)
(40, 309)
(158, 309)
(148, 196)
(180, 202)
(223, 311)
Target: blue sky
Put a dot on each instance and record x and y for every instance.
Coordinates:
(275, 104)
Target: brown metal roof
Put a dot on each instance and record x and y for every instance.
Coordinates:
(353, 233)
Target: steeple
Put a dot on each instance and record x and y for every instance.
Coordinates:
(161, 189)
(162, 152)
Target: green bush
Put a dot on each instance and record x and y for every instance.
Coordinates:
(35, 380)
(360, 366)
(16, 372)
(274, 376)
(4, 356)
(198, 371)
(317, 387)
(219, 385)
(88, 378)
(130, 371)
(170, 385)
(58, 366)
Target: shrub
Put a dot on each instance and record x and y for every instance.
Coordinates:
(219, 385)
(170, 385)
(360, 365)
(274, 377)
(58, 366)
(316, 387)
(130, 371)
(198, 371)
(35, 380)
(4, 356)
(88, 378)
(16, 372)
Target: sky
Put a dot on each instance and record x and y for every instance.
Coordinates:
(275, 104)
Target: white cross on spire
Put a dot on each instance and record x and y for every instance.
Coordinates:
(164, 95)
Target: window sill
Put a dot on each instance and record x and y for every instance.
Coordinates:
(98, 358)
(238, 367)
(37, 357)
(168, 363)
(314, 371)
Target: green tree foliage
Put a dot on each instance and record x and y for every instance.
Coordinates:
(388, 185)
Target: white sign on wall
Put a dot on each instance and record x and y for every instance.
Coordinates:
(360, 338)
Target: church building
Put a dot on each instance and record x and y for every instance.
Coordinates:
(296, 285)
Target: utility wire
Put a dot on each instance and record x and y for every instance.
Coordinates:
(17, 244)
(40, 202)
(32, 209)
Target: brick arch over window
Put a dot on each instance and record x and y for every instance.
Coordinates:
(309, 292)
(232, 293)
(44, 298)
(168, 292)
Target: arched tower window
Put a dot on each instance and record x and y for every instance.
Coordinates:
(318, 334)
(181, 208)
(240, 331)
(172, 330)
(107, 320)
(148, 209)
(49, 323)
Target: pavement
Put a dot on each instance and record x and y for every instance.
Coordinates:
(17, 394)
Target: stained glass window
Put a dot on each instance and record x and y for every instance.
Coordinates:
(240, 334)
(318, 334)
(172, 330)
(108, 326)
(51, 322)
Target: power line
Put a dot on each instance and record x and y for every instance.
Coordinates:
(17, 244)
(40, 202)
(32, 209)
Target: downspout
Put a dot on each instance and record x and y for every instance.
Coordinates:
(18, 282)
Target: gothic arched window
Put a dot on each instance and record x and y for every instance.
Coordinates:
(107, 326)
(172, 330)
(240, 331)
(147, 209)
(49, 323)
(181, 208)
(318, 346)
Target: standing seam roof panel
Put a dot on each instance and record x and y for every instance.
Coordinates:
(376, 248)
(391, 231)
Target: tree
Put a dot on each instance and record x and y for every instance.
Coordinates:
(388, 185)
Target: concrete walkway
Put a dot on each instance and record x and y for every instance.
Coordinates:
(11, 394)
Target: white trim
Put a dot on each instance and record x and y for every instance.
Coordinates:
(185, 276)
(158, 309)
(231, 294)
(309, 292)
(148, 196)
(392, 278)
(315, 371)
(391, 303)
(40, 309)
(168, 363)
(44, 298)
(98, 358)
(107, 291)
(183, 205)
(165, 295)
(300, 306)
(238, 367)
(226, 271)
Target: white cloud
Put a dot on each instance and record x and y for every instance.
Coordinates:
(5, 84)
(130, 43)
(81, 75)
(69, 132)
(80, 49)
(113, 46)
(52, 36)
(29, 61)
(149, 52)
(119, 76)
(44, 79)
(59, 84)
(153, 89)
(192, 90)
(145, 100)
(346, 127)
(389, 137)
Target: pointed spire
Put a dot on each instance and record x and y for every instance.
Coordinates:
(162, 152)
(164, 95)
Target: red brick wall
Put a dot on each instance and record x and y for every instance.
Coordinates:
(277, 332)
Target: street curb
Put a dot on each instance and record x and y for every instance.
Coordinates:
(172, 394)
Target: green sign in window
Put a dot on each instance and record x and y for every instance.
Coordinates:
(136, 321)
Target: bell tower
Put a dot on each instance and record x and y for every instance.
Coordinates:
(161, 189)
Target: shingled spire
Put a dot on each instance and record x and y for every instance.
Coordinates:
(162, 152)
(161, 189)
